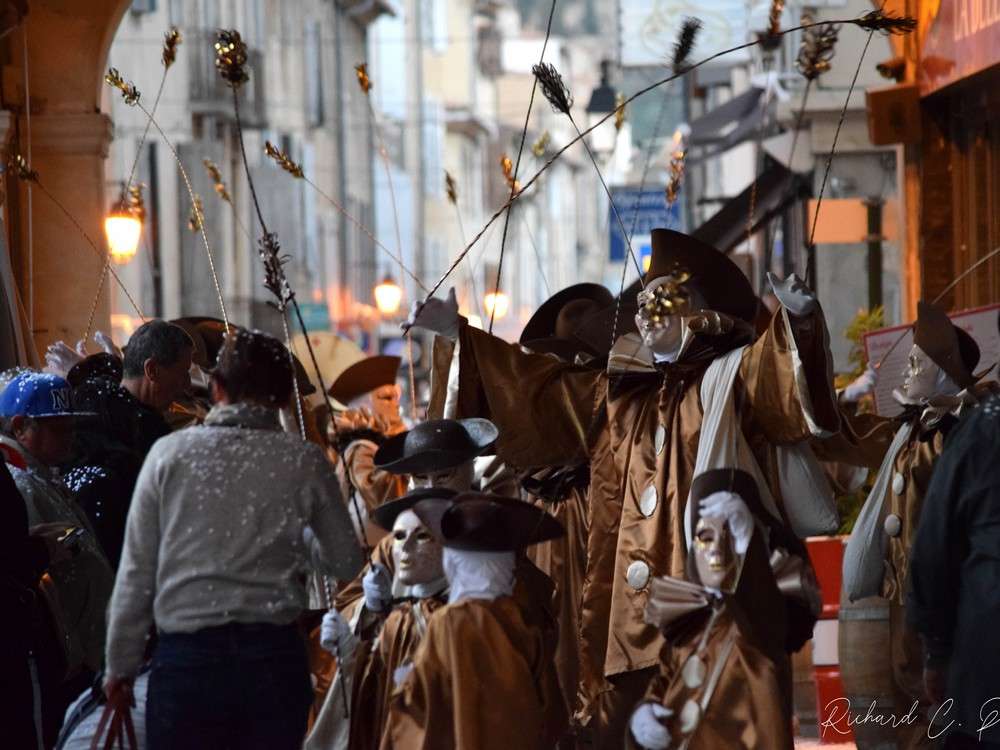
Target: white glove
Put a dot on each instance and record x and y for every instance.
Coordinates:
(860, 387)
(439, 316)
(334, 633)
(377, 585)
(60, 358)
(793, 294)
(647, 726)
(401, 673)
(107, 345)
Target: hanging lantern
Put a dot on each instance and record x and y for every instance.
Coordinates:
(388, 296)
(496, 304)
(123, 225)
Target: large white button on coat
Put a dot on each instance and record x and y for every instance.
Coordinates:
(893, 525)
(647, 501)
(637, 575)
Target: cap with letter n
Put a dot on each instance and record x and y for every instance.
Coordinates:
(37, 395)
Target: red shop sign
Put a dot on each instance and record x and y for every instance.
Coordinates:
(960, 38)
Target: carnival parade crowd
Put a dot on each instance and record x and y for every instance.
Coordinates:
(592, 538)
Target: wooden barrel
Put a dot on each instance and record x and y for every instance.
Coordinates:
(866, 672)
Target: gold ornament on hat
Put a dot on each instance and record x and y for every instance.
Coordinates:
(668, 299)
(283, 160)
(18, 164)
(231, 57)
(171, 42)
(129, 92)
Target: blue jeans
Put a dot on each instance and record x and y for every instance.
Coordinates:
(233, 686)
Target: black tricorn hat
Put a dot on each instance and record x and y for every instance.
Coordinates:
(951, 348)
(386, 514)
(595, 331)
(712, 273)
(435, 445)
(364, 377)
(561, 313)
(478, 522)
(100, 365)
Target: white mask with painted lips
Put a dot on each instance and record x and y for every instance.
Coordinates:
(415, 552)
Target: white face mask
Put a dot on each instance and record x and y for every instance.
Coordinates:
(923, 379)
(458, 478)
(415, 552)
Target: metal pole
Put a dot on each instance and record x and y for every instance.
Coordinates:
(874, 240)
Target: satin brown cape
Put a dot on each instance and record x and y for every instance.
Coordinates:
(478, 683)
(745, 709)
(552, 413)
(564, 560)
(395, 646)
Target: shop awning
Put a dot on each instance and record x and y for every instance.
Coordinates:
(777, 188)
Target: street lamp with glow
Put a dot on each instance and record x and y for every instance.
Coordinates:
(123, 226)
(603, 102)
(496, 304)
(388, 297)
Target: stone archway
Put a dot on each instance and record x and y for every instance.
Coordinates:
(67, 51)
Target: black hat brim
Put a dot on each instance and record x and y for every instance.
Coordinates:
(385, 515)
(392, 456)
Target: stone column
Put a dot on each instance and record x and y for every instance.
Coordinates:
(68, 152)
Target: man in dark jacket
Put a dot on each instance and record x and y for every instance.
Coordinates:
(111, 446)
(954, 597)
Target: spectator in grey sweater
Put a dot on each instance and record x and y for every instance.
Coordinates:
(224, 524)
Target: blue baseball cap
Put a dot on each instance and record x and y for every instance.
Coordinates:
(37, 394)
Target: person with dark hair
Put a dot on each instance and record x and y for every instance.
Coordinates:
(953, 602)
(128, 398)
(38, 414)
(226, 520)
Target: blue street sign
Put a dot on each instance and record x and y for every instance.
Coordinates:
(644, 209)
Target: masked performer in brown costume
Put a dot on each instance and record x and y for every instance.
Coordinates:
(562, 490)
(389, 638)
(940, 384)
(697, 372)
(482, 678)
(717, 686)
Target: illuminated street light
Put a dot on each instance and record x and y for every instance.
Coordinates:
(496, 304)
(123, 225)
(388, 296)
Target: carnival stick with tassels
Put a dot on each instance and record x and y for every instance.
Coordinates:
(131, 198)
(230, 60)
(874, 21)
(221, 190)
(131, 96)
(451, 190)
(365, 84)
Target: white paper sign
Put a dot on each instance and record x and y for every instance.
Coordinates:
(981, 323)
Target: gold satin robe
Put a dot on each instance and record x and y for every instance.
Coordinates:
(479, 682)
(564, 560)
(745, 710)
(552, 413)
(395, 646)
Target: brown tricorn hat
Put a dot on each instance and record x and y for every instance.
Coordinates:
(386, 514)
(436, 445)
(478, 522)
(712, 273)
(951, 348)
(364, 377)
